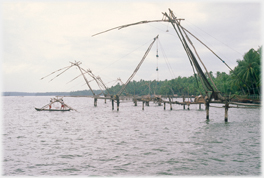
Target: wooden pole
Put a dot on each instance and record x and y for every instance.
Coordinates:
(226, 110)
(170, 103)
(147, 103)
(112, 102)
(95, 102)
(135, 101)
(164, 106)
(207, 109)
(183, 100)
(142, 105)
(188, 106)
(117, 102)
(200, 106)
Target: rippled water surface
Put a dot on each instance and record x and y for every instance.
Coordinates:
(96, 141)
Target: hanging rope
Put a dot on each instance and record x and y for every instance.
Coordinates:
(167, 61)
(138, 66)
(157, 57)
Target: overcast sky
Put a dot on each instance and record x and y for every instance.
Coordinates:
(41, 37)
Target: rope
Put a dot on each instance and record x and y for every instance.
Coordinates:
(138, 66)
(166, 60)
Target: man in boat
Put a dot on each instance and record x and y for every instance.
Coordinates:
(62, 105)
(50, 103)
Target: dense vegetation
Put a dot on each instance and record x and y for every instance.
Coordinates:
(243, 80)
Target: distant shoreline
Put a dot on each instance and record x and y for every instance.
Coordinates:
(35, 94)
(73, 93)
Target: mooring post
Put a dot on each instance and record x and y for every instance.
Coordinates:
(183, 100)
(147, 103)
(226, 109)
(142, 105)
(117, 102)
(135, 101)
(164, 107)
(112, 102)
(95, 101)
(170, 103)
(207, 108)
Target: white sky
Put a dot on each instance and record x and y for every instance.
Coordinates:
(41, 37)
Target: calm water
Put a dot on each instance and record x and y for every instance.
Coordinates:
(96, 141)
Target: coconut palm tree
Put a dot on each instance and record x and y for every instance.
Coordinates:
(248, 72)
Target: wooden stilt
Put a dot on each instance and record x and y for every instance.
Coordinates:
(207, 109)
(199, 106)
(188, 107)
(95, 102)
(170, 103)
(164, 106)
(135, 102)
(142, 105)
(183, 100)
(226, 110)
(112, 102)
(117, 102)
(147, 103)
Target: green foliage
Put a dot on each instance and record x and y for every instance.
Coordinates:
(247, 75)
(245, 79)
(84, 93)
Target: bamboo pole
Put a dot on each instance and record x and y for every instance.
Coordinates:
(56, 71)
(78, 65)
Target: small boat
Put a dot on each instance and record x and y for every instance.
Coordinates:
(39, 109)
(48, 107)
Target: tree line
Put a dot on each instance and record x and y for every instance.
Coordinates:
(243, 80)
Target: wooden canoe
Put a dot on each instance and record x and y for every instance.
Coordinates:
(39, 109)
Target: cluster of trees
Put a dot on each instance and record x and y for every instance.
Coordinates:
(84, 92)
(243, 80)
(246, 77)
